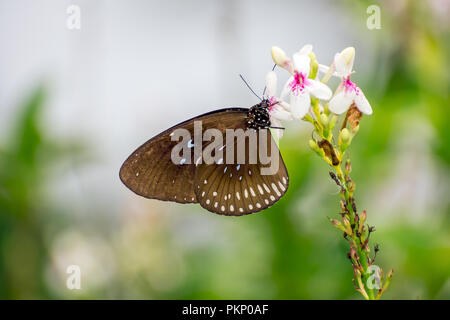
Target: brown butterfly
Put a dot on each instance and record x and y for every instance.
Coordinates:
(229, 189)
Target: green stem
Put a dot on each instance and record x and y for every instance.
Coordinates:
(359, 249)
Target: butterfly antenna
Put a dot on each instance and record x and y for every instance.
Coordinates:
(281, 128)
(265, 87)
(248, 86)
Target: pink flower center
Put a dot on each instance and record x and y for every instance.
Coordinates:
(272, 102)
(350, 86)
(298, 84)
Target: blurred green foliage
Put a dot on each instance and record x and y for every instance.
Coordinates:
(289, 251)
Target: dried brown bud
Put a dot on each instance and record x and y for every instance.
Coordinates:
(353, 116)
(326, 146)
(353, 254)
(352, 200)
(390, 274)
(348, 166)
(363, 217)
(342, 204)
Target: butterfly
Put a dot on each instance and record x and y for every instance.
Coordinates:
(235, 189)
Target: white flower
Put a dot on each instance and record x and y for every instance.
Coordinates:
(278, 109)
(347, 92)
(299, 86)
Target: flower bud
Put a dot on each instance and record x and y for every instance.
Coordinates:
(363, 217)
(280, 58)
(314, 65)
(344, 139)
(347, 226)
(336, 223)
(351, 186)
(323, 120)
(353, 254)
(315, 147)
(348, 166)
(345, 135)
(348, 54)
(390, 274)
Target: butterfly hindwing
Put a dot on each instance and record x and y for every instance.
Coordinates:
(239, 189)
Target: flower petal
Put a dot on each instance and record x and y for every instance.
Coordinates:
(279, 113)
(286, 89)
(300, 104)
(362, 103)
(277, 132)
(285, 105)
(306, 49)
(341, 101)
(280, 59)
(302, 63)
(343, 62)
(271, 84)
(319, 89)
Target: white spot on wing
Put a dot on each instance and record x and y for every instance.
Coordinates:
(246, 193)
(260, 189)
(266, 188)
(250, 206)
(274, 187)
(238, 195)
(281, 186)
(252, 192)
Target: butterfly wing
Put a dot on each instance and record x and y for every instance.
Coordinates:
(150, 172)
(239, 189)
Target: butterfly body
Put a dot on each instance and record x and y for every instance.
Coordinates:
(223, 187)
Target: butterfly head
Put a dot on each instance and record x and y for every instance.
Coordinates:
(258, 115)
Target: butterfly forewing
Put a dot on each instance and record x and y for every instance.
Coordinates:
(241, 188)
(150, 172)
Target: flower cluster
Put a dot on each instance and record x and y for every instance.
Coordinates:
(302, 92)
(308, 98)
